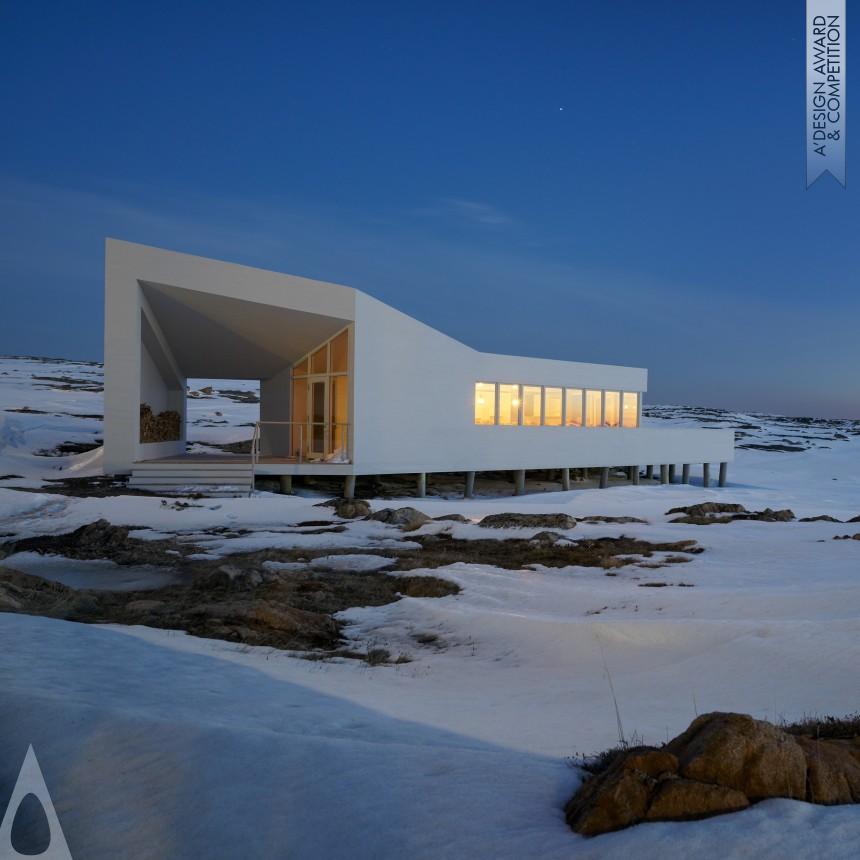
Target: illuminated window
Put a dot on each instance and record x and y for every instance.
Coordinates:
(531, 405)
(630, 410)
(612, 409)
(319, 360)
(574, 407)
(509, 404)
(340, 353)
(552, 407)
(593, 408)
(485, 402)
(319, 418)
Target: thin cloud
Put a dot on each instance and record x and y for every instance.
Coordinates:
(458, 210)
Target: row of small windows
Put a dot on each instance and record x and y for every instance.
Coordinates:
(542, 405)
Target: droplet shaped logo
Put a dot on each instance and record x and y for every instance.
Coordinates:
(31, 782)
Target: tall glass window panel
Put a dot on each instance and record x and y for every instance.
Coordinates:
(593, 408)
(630, 409)
(552, 407)
(485, 402)
(612, 409)
(340, 353)
(319, 360)
(574, 407)
(531, 405)
(509, 404)
(338, 410)
(301, 369)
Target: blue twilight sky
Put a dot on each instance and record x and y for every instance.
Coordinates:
(611, 182)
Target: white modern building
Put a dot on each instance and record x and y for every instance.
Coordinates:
(350, 386)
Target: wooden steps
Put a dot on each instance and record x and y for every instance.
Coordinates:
(184, 477)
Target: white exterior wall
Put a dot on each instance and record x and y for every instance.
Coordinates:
(415, 399)
(153, 389)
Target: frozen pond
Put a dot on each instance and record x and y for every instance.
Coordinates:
(97, 574)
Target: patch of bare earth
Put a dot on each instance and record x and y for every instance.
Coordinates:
(290, 604)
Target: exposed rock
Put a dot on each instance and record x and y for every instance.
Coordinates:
(726, 512)
(98, 540)
(824, 518)
(400, 516)
(350, 509)
(546, 538)
(528, 521)
(736, 751)
(768, 515)
(847, 537)
(705, 508)
(231, 578)
(454, 518)
(602, 519)
(684, 799)
(833, 770)
(721, 763)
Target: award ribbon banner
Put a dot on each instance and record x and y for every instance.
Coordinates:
(825, 89)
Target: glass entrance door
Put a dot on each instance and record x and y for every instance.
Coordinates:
(318, 402)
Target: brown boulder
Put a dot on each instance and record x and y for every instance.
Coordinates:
(684, 799)
(621, 795)
(350, 509)
(736, 751)
(400, 516)
(833, 770)
(721, 763)
(509, 520)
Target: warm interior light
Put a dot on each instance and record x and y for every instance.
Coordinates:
(515, 403)
(480, 400)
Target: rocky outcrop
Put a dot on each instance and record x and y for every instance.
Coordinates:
(527, 521)
(400, 517)
(721, 763)
(351, 509)
(604, 519)
(707, 513)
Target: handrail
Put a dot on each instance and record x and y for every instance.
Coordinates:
(327, 426)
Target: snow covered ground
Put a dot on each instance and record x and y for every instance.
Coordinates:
(157, 744)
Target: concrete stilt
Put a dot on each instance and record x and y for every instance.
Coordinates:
(520, 482)
(349, 487)
(685, 473)
(649, 473)
(634, 475)
(565, 479)
(421, 485)
(724, 474)
(287, 485)
(664, 474)
(604, 477)
(706, 475)
(469, 491)
(671, 473)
